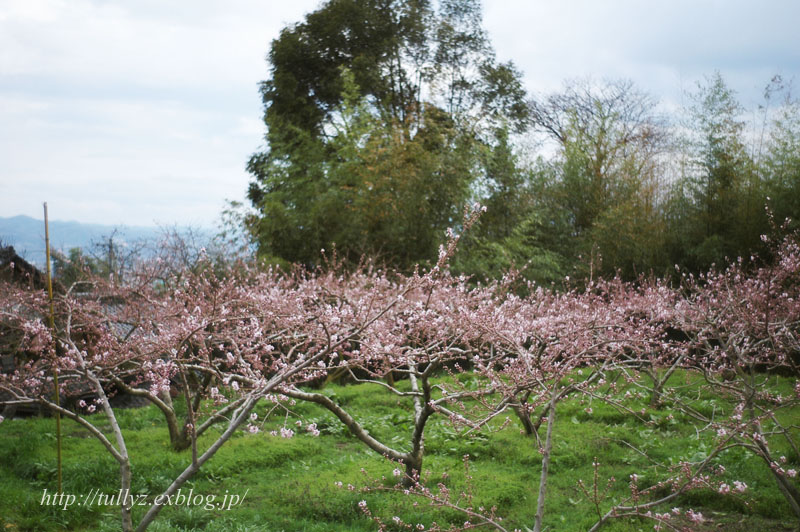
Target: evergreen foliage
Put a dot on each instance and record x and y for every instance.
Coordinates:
(385, 117)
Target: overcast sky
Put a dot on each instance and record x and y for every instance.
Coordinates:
(144, 112)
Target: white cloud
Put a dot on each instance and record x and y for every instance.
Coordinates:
(117, 111)
(120, 112)
(660, 45)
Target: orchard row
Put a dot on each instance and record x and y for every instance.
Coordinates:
(222, 338)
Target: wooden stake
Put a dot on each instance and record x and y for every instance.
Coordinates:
(52, 319)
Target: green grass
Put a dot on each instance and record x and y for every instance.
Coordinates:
(290, 483)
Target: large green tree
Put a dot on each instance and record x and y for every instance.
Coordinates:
(601, 185)
(781, 164)
(717, 205)
(591, 205)
(379, 116)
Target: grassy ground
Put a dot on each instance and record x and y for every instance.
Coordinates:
(290, 483)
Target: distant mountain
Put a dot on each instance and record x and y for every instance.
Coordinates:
(26, 234)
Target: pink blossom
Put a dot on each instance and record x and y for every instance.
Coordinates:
(695, 517)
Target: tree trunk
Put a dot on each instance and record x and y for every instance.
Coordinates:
(525, 420)
(9, 411)
(790, 493)
(655, 394)
(178, 434)
(413, 470)
(548, 445)
(193, 467)
(125, 500)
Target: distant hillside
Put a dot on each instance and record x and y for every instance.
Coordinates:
(26, 234)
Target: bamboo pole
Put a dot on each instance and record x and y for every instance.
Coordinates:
(52, 320)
